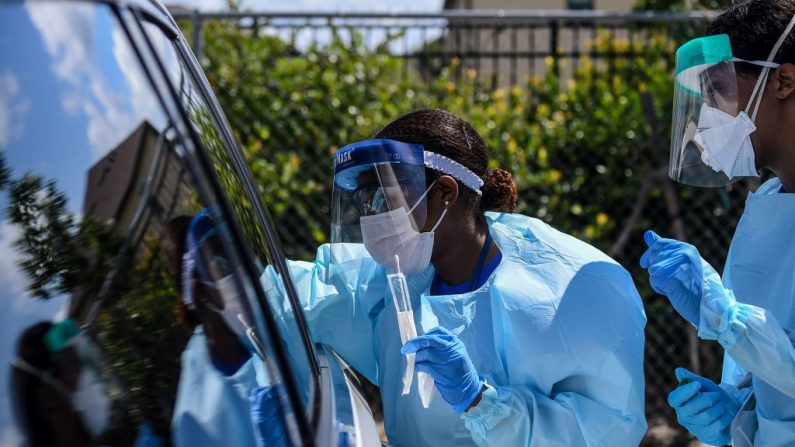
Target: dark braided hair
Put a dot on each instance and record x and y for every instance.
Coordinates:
(441, 132)
(753, 28)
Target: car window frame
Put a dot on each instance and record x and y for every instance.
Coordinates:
(318, 388)
(242, 170)
(199, 163)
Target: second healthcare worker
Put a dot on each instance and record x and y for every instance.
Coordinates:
(531, 337)
(734, 113)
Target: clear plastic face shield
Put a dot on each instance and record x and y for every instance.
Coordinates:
(379, 200)
(710, 134)
(705, 106)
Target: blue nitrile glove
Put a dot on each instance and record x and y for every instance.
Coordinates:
(703, 408)
(267, 417)
(676, 271)
(147, 437)
(442, 355)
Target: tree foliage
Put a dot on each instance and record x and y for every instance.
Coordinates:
(578, 140)
(136, 331)
(580, 147)
(573, 144)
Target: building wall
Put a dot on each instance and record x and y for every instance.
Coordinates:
(532, 37)
(613, 5)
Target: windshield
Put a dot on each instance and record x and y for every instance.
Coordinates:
(109, 226)
(209, 126)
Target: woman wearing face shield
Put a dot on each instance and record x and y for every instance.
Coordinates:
(735, 103)
(529, 337)
(218, 371)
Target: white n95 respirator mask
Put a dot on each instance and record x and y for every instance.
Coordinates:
(726, 142)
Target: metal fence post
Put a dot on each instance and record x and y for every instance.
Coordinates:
(554, 30)
(198, 35)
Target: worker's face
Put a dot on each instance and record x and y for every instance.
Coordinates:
(765, 137)
(728, 87)
(388, 188)
(377, 194)
(719, 89)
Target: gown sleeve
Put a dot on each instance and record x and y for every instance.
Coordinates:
(337, 299)
(753, 338)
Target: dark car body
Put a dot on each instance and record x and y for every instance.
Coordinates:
(110, 134)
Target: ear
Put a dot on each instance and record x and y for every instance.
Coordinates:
(785, 80)
(446, 190)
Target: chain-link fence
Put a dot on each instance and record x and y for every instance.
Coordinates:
(576, 105)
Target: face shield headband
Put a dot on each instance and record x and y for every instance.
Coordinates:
(353, 159)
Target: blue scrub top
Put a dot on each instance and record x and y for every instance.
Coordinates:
(442, 288)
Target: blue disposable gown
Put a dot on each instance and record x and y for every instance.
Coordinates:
(756, 330)
(212, 408)
(556, 331)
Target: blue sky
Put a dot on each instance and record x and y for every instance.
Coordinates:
(68, 94)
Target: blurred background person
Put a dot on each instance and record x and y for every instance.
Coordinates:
(58, 396)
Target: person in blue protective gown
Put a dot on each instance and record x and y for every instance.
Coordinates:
(735, 102)
(530, 336)
(218, 372)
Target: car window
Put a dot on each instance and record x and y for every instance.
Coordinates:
(126, 305)
(209, 126)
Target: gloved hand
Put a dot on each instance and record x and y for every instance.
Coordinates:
(442, 355)
(703, 408)
(676, 271)
(147, 437)
(267, 417)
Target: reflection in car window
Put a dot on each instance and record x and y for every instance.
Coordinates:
(103, 223)
(241, 203)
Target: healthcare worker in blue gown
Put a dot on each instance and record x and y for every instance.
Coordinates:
(218, 372)
(530, 336)
(734, 113)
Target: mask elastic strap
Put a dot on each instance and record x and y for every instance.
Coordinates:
(439, 221)
(420, 200)
(757, 89)
(765, 71)
(759, 63)
(421, 197)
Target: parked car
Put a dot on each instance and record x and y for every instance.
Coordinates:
(112, 144)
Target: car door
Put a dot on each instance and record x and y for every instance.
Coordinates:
(337, 411)
(113, 183)
(132, 222)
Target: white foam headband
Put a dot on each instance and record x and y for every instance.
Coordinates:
(455, 169)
